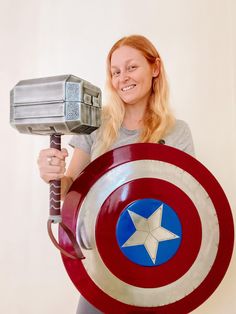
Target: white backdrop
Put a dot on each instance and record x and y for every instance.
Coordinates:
(196, 39)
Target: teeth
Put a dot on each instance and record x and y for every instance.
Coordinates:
(124, 89)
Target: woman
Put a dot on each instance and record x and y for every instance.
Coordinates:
(137, 110)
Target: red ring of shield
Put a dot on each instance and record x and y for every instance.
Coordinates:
(118, 263)
(114, 158)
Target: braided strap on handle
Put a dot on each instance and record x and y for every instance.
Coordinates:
(78, 253)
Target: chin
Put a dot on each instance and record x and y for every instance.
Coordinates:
(129, 101)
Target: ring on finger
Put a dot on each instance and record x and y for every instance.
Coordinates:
(49, 160)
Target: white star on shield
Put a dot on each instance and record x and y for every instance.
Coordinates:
(149, 232)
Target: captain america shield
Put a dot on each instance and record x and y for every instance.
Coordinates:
(155, 228)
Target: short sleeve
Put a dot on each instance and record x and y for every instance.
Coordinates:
(181, 138)
(83, 141)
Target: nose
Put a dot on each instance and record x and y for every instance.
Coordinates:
(124, 76)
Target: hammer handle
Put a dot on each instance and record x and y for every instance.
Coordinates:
(55, 210)
(55, 185)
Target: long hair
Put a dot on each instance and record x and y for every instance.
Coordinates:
(157, 120)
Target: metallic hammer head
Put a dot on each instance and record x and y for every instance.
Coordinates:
(62, 104)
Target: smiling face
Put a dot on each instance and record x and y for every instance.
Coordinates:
(132, 75)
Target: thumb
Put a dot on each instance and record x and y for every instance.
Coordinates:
(64, 152)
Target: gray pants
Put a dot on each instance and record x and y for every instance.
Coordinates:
(84, 307)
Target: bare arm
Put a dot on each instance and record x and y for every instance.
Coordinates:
(78, 162)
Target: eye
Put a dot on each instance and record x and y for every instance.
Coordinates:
(132, 67)
(115, 73)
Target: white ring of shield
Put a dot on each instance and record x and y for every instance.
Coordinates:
(97, 270)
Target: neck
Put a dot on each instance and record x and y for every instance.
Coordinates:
(133, 118)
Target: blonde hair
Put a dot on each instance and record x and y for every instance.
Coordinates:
(158, 119)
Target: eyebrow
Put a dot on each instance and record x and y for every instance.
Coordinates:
(127, 61)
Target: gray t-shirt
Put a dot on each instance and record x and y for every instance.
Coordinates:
(180, 137)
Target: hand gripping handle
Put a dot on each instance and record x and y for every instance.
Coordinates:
(55, 209)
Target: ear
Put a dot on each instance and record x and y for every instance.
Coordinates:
(156, 68)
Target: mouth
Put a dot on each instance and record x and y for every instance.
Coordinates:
(126, 88)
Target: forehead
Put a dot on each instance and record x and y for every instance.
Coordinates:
(125, 54)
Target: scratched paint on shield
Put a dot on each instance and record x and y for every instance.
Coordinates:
(149, 232)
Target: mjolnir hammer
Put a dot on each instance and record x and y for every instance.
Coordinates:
(54, 106)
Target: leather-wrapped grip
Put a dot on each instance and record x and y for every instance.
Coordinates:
(55, 185)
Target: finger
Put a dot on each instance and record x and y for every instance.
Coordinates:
(51, 176)
(64, 151)
(54, 161)
(46, 169)
(52, 152)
